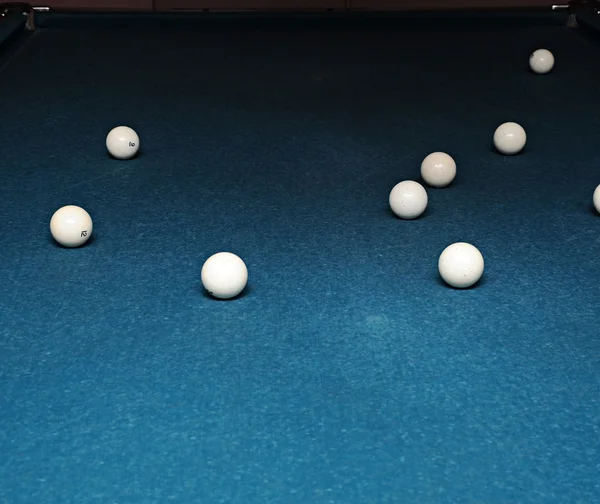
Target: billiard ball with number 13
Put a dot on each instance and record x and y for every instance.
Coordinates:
(71, 226)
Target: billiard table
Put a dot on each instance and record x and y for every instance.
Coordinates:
(347, 371)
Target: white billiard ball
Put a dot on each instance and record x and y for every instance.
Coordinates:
(541, 61)
(408, 199)
(122, 142)
(438, 169)
(461, 265)
(224, 275)
(597, 199)
(71, 226)
(510, 138)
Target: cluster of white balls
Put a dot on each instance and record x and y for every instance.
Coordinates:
(408, 199)
(461, 265)
(224, 275)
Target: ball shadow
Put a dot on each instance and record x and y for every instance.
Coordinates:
(204, 293)
(440, 281)
(494, 150)
(592, 210)
(390, 214)
(92, 239)
(108, 155)
(428, 187)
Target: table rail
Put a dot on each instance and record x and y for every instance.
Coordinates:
(286, 5)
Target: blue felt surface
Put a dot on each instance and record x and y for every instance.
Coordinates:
(348, 373)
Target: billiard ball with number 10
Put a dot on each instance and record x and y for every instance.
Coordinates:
(122, 142)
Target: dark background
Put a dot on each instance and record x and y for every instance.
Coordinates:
(166, 5)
